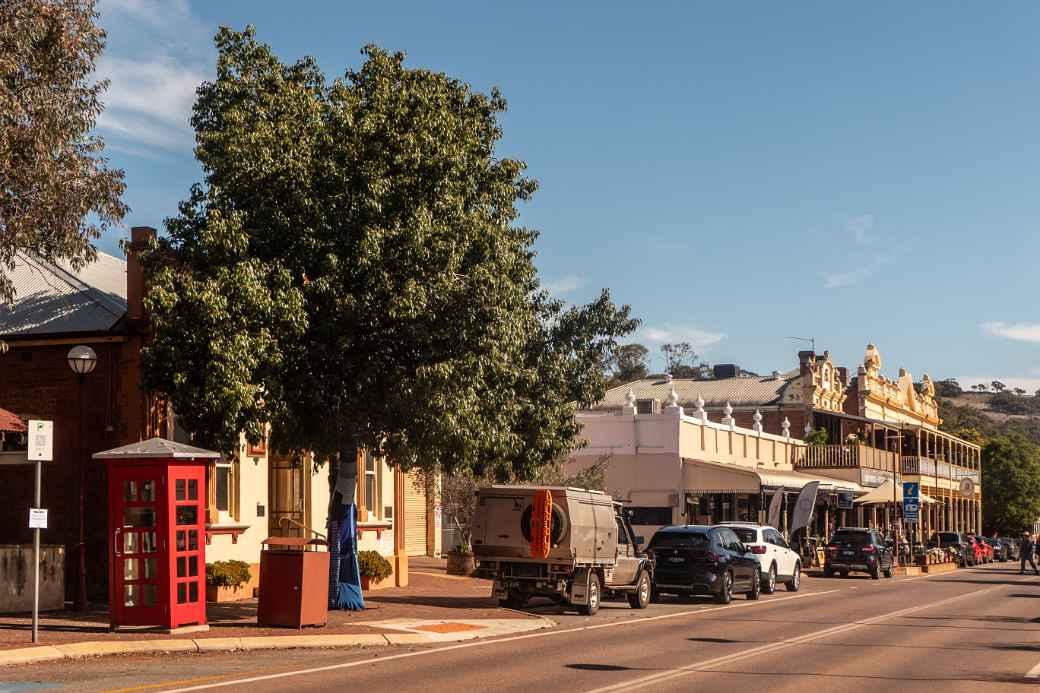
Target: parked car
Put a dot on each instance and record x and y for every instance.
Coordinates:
(696, 559)
(1012, 548)
(955, 540)
(777, 561)
(1000, 552)
(985, 551)
(592, 551)
(857, 549)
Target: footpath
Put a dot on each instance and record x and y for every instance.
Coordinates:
(434, 607)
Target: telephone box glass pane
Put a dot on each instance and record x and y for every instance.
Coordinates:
(182, 567)
(130, 490)
(148, 543)
(193, 566)
(180, 489)
(193, 540)
(193, 591)
(181, 541)
(187, 514)
(193, 489)
(182, 592)
(149, 595)
(148, 490)
(131, 595)
(131, 570)
(130, 543)
(138, 517)
(149, 568)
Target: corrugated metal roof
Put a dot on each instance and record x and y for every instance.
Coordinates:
(10, 422)
(53, 299)
(156, 448)
(736, 391)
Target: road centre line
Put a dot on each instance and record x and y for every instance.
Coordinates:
(654, 679)
(486, 643)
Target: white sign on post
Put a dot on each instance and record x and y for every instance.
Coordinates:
(37, 518)
(41, 440)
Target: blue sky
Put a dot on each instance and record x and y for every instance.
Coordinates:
(738, 172)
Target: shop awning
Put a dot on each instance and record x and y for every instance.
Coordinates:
(884, 494)
(11, 423)
(700, 476)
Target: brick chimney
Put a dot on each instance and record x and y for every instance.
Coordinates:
(140, 237)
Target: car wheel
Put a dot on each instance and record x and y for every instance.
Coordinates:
(593, 606)
(796, 580)
(770, 585)
(843, 573)
(875, 574)
(641, 597)
(756, 586)
(725, 595)
(888, 572)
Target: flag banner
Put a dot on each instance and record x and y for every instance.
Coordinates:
(804, 506)
(774, 508)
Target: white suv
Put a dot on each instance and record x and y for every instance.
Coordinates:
(778, 562)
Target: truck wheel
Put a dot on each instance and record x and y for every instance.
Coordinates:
(770, 585)
(725, 595)
(641, 597)
(593, 606)
(514, 600)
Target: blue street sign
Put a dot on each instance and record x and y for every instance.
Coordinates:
(910, 509)
(911, 489)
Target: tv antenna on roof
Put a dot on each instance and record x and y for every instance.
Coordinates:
(810, 340)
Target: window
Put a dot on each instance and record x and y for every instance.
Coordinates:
(746, 534)
(649, 516)
(622, 535)
(225, 491)
(373, 502)
(669, 540)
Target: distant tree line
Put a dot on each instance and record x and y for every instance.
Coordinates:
(630, 362)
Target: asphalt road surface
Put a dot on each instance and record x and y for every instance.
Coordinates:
(972, 630)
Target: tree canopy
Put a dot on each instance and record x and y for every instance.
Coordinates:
(628, 363)
(57, 193)
(352, 271)
(1011, 484)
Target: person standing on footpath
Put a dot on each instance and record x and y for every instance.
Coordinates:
(1026, 550)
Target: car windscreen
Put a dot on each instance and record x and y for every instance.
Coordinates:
(854, 538)
(949, 537)
(746, 535)
(672, 540)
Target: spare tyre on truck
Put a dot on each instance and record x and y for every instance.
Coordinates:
(571, 545)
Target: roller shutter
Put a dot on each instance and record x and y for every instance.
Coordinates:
(415, 517)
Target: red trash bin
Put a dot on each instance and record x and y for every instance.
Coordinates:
(294, 583)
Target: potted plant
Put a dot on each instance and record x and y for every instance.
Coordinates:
(374, 569)
(461, 560)
(225, 580)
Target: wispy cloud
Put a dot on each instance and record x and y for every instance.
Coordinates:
(670, 334)
(158, 53)
(1018, 331)
(837, 280)
(861, 228)
(565, 285)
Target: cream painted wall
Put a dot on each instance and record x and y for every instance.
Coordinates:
(252, 485)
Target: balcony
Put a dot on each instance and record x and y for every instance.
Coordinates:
(847, 456)
(926, 466)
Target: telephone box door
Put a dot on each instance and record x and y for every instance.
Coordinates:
(187, 488)
(137, 533)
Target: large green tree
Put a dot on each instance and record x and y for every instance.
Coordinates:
(57, 193)
(1010, 484)
(352, 272)
(628, 363)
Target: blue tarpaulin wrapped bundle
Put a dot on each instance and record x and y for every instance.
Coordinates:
(344, 573)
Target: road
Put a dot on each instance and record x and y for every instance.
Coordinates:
(971, 630)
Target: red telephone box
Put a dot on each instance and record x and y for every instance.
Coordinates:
(157, 533)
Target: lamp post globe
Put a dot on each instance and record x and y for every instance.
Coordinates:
(82, 360)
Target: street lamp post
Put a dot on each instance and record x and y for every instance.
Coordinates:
(82, 361)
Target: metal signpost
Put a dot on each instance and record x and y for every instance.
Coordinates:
(41, 449)
(911, 510)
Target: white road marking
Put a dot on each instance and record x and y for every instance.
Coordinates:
(485, 643)
(654, 679)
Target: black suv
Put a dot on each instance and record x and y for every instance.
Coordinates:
(858, 549)
(695, 559)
